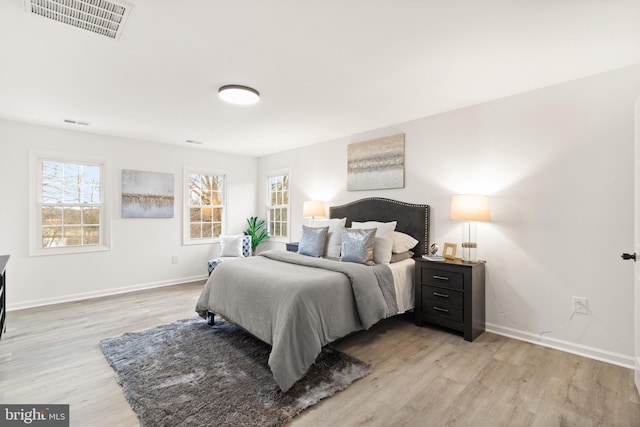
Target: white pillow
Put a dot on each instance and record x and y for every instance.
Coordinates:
(384, 239)
(402, 242)
(336, 225)
(231, 245)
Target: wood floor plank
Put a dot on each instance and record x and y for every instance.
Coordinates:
(422, 375)
(428, 405)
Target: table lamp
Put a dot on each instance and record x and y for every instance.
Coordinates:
(313, 208)
(469, 208)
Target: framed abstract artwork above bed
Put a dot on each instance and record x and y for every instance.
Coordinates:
(376, 164)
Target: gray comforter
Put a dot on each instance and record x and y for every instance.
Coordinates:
(298, 304)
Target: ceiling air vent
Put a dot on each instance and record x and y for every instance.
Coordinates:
(98, 16)
(76, 122)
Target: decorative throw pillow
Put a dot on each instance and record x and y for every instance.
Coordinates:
(401, 256)
(336, 225)
(231, 245)
(384, 239)
(357, 245)
(313, 241)
(402, 242)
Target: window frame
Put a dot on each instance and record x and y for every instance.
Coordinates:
(186, 218)
(37, 158)
(268, 206)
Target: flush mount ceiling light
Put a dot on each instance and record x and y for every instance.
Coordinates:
(237, 94)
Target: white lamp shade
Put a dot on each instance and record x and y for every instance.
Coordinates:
(470, 207)
(313, 208)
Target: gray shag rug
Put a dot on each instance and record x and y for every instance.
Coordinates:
(191, 374)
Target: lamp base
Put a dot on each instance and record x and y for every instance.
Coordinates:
(469, 252)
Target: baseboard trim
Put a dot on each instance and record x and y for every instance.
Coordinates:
(102, 293)
(562, 345)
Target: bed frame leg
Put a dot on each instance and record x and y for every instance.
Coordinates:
(211, 318)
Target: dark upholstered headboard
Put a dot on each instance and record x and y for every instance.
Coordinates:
(412, 219)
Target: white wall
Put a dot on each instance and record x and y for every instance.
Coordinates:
(558, 166)
(141, 249)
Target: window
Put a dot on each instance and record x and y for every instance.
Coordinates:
(204, 218)
(69, 213)
(278, 205)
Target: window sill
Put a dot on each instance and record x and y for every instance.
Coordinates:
(200, 242)
(68, 250)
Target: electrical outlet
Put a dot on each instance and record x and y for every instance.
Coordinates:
(174, 259)
(580, 305)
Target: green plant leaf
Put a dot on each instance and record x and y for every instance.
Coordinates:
(256, 231)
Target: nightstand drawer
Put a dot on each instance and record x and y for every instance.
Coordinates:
(441, 311)
(434, 295)
(448, 279)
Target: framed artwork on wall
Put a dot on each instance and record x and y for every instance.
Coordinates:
(376, 164)
(147, 194)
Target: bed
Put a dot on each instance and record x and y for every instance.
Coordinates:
(298, 303)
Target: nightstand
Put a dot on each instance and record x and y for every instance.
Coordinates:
(292, 246)
(450, 294)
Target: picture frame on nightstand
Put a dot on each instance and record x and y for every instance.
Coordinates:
(449, 250)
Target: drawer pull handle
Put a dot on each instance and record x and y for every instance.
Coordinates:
(444, 310)
(438, 294)
(441, 277)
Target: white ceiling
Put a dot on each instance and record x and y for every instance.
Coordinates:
(325, 68)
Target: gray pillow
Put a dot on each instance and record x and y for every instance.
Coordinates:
(313, 241)
(357, 245)
(401, 256)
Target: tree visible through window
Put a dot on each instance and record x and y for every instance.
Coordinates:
(278, 205)
(206, 205)
(70, 204)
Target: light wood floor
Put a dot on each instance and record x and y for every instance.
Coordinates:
(423, 376)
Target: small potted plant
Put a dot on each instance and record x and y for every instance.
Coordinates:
(258, 232)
